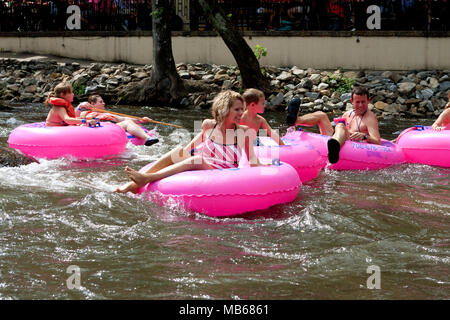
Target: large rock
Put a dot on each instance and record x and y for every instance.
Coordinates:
(315, 78)
(298, 72)
(221, 77)
(406, 87)
(351, 74)
(306, 83)
(380, 105)
(285, 76)
(444, 86)
(79, 80)
(277, 100)
(427, 93)
(434, 83)
(140, 75)
(30, 89)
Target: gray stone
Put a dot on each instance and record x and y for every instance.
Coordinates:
(306, 83)
(322, 86)
(423, 74)
(289, 87)
(185, 75)
(346, 97)
(28, 81)
(315, 78)
(275, 83)
(112, 82)
(444, 86)
(434, 83)
(406, 87)
(277, 100)
(427, 93)
(312, 95)
(30, 89)
(298, 72)
(13, 87)
(307, 105)
(351, 74)
(26, 96)
(208, 77)
(95, 66)
(140, 75)
(221, 77)
(285, 76)
(227, 84)
(79, 79)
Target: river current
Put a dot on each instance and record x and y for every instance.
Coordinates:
(61, 214)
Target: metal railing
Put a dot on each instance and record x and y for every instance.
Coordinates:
(283, 15)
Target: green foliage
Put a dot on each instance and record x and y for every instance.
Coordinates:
(229, 16)
(157, 13)
(78, 90)
(339, 84)
(259, 51)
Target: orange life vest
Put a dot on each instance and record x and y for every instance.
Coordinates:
(58, 102)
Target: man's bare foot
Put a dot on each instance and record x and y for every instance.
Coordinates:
(128, 187)
(140, 179)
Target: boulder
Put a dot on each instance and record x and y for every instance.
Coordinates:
(406, 87)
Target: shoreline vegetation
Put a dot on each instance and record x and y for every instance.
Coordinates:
(404, 94)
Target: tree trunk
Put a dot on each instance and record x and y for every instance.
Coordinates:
(164, 86)
(245, 58)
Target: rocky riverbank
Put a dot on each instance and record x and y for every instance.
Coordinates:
(404, 94)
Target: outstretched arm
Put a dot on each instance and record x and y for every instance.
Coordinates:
(271, 133)
(442, 120)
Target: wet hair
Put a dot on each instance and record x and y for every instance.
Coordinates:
(60, 89)
(252, 95)
(222, 104)
(93, 98)
(360, 91)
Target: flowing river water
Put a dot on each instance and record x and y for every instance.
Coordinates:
(61, 213)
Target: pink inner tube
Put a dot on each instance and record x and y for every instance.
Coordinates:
(300, 153)
(426, 146)
(353, 155)
(82, 142)
(139, 141)
(226, 192)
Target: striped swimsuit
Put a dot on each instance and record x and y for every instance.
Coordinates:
(219, 156)
(92, 115)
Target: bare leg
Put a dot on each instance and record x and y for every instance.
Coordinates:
(336, 142)
(133, 128)
(340, 133)
(318, 118)
(192, 163)
(176, 155)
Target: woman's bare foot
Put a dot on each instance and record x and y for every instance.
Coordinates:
(128, 187)
(140, 179)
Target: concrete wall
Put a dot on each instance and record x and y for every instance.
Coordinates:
(322, 50)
